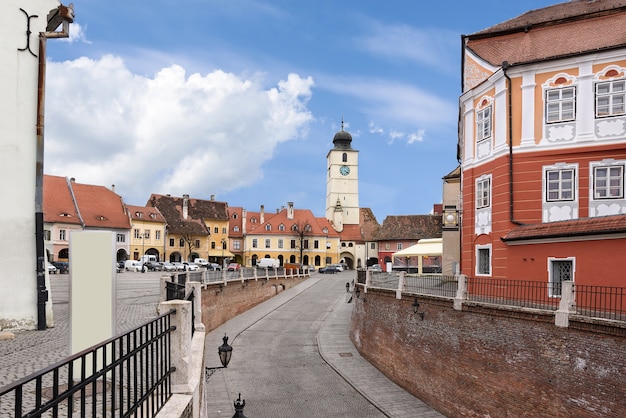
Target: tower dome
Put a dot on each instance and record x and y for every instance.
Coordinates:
(342, 139)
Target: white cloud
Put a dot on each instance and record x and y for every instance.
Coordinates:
(375, 129)
(416, 137)
(77, 34)
(169, 133)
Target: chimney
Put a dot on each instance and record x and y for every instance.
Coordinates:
(289, 210)
(185, 206)
(262, 213)
(113, 188)
(244, 215)
(212, 197)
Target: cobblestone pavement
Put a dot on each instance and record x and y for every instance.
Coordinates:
(31, 351)
(291, 354)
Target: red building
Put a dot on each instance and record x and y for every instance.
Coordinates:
(542, 146)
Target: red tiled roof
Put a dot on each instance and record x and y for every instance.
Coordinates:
(58, 204)
(410, 227)
(301, 217)
(100, 207)
(573, 228)
(351, 233)
(573, 27)
(171, 208)
(145, 213)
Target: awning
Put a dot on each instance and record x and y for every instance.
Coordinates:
(431, 246)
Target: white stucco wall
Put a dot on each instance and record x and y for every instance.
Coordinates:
(18, 113)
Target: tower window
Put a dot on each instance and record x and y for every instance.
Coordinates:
(344, 157)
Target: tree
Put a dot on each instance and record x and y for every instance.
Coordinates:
(302, 230)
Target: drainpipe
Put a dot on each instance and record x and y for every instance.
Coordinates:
(505, 67)
(60, 16)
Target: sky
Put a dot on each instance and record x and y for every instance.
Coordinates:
(241, 99)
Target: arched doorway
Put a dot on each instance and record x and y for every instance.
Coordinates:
(121, 255)
(176, 257)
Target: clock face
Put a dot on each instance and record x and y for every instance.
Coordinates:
(344, 170)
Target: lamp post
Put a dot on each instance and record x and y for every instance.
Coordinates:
(225, 352)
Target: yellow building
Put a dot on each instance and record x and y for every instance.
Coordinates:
(191, 225)
(291, 236)
(147, 232)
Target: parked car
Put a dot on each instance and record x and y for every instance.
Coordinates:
(132, 265)
(179, 266)
(233, 267)
(51, 267)
(119, 267)
(202, 262)
(153, 266)
(62, 266)
(376, 268)
(311, 267)
(214, 267)
(339, 267)
(331, 269)
(169, 267)
(191, 266)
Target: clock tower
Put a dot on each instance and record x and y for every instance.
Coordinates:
(342, 182)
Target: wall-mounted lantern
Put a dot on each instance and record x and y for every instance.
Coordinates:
(450, 218)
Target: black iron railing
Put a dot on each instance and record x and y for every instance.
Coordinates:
(601, 302)
(174, 291)
(125, 376)
(520, 293)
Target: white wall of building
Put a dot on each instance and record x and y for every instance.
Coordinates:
(18, 140)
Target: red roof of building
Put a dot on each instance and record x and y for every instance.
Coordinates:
(145, 213)
(560, 30)
(58, 203)
(573, 228)
(100, 207)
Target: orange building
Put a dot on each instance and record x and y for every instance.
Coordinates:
(542, 146)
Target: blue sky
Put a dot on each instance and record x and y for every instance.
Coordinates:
(241, 99)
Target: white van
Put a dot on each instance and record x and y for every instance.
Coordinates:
(202, 262)
(147, 258)
(132, 265)
(272, 263)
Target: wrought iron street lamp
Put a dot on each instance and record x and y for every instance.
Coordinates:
(225, 351)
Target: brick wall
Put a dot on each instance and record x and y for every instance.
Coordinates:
(485, 362)
(222, 302)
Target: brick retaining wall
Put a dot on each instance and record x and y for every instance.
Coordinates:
(222, 302)
(486, 362)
